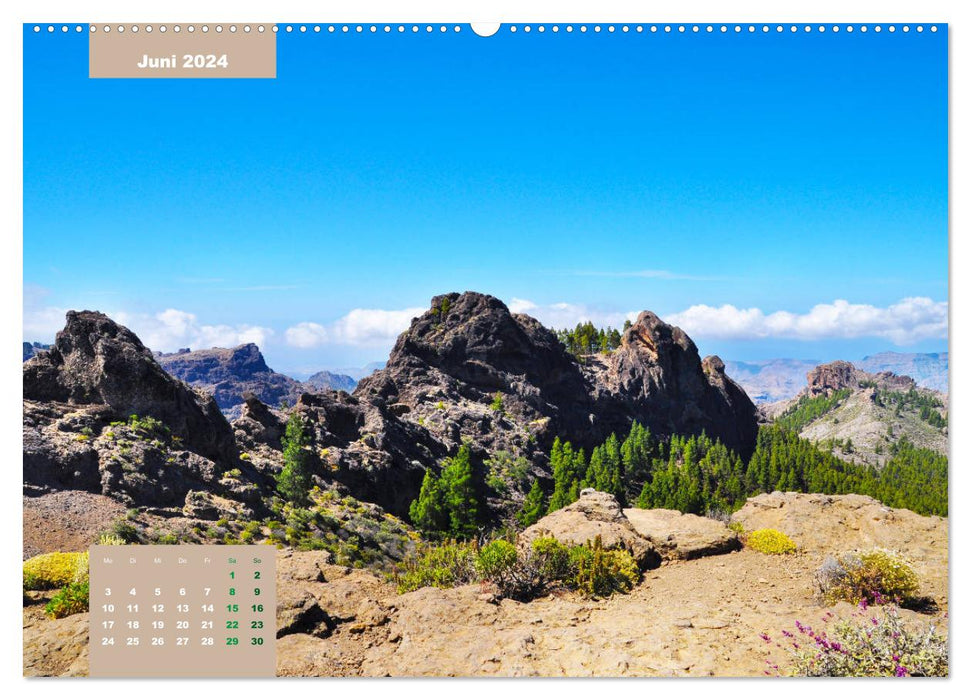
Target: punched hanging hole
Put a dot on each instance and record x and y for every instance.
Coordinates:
(485, 28)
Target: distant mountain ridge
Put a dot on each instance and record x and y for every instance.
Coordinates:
(331, 380)
(228, 373)
(359, 373)
(768, 381)
(927, 369)
(31, 349)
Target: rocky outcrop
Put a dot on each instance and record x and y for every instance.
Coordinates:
(467, 371)
(470, 371)
(867, 413)
(928, 369)
(97, 362)
(465, 349)
(229, 374)
(678, 535)
(657, 377)
(594, 515)
(834, 376)
(101, 415)
(365, 447)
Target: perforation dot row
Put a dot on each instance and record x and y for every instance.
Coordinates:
(555, 28)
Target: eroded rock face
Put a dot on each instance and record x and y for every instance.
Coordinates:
(79, 397)
(447, 369)
(595, 514)
(466, 348)
(657, 377)
(95, 361)
(678, 535)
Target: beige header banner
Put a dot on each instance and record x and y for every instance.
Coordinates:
(207, 51)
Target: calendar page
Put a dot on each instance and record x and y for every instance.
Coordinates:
(183, 610)
(533, 349)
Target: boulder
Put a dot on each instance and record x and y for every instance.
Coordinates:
(829, 524)
(595, 514)
(678, 535)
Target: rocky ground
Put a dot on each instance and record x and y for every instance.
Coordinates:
(688, 617)
(66, 521)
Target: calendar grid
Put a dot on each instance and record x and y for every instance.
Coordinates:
(185, 610)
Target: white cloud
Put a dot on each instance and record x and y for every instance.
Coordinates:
(359, 327)
(908, 321)
(41, 320)
(42, 324)
(306, 335)
(172, 329)
(166, 330)
(566, 315)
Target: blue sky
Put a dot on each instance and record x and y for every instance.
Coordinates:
(732, 183)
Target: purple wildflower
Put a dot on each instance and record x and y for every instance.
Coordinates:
(900, 671)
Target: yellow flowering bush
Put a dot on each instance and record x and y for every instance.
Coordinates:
(875, 576)
(769, 541)
(54, 570)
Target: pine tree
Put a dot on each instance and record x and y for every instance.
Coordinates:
(533, 507)
(428, 512)
(459, 489)
(567, 467)
(294, 480)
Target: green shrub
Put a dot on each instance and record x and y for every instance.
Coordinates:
(443, 566)
(71, 599)
(54, 570)
(147, 424)
(736, 527)
(874, 576)
(867, 646)
(552, 559)
(769, 541)
(601, 572)
(496, 561)
(125, 531)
